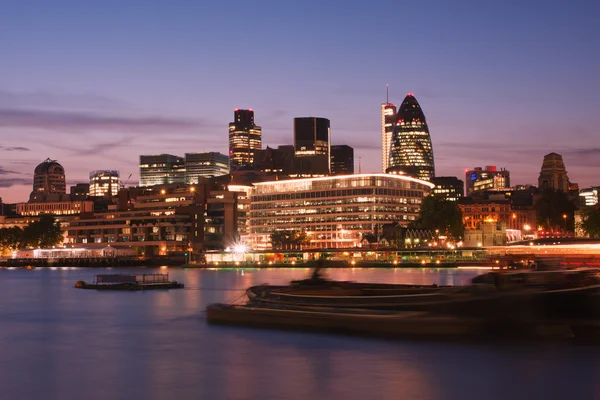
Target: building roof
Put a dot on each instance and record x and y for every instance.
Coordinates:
(334, 177)
(46, 166)
(410, 110)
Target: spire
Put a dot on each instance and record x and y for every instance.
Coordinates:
(387, 93)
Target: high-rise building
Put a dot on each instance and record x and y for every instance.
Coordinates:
(79, 191)
(388, 115)
(49, 178)
(205, 165)
(553, 174)
(104, 182)
(244, 139)
(283, 163)
(589, 196)
(161, 169)
(411, 152)
(312, 136)
(479, 179)
(342, 160)
(448, 187)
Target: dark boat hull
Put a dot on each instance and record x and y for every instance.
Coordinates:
(508, 305)
(133, 286)
(417, 325)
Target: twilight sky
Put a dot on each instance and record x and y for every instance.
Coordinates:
(94, 84)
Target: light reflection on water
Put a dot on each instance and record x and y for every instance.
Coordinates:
(57, 342)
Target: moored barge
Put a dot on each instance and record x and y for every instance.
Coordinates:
(130, 282)
(388, 324)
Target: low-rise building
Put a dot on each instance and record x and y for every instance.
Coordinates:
(487, 235)
(335, 211)
(162, 220)
(66, 207)
(477, 213)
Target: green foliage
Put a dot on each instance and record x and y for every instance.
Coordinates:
(44, 233)
(591, 221)
(550, 208)
(440, 214)
(289, 239)
(10, 239)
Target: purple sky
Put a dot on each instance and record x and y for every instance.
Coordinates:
(94, 84)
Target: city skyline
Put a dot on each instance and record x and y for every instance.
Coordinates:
(492, 91)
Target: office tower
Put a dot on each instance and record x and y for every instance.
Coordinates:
(479, 179)
(244, 139)
(49, 178)
(79, 191)
(589, 196)
(312, 136)
(342, 160)
(161, 169)
(283, 163)
(388, 114)
(553, 174)
(104, 182)
(205, 165)
(448, 187)
(411, 152)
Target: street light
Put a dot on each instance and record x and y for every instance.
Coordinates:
(565, 222)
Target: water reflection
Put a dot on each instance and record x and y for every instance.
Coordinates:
(57, 342)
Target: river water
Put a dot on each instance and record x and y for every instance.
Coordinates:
(57, 342)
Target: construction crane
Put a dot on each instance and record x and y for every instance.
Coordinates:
(122, 184)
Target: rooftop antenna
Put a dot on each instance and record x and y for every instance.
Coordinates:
(359, 169)
(387, 93)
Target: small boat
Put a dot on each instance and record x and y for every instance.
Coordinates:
(130, 282)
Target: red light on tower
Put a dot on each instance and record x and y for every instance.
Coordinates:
(411, 95)
(250, 109)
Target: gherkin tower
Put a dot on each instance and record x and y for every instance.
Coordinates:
(411, 152)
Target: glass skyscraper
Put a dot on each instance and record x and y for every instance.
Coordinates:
(105, 182)
(205, 165)
(244, 139)
(388, 115)
(161, 169)
(312, 136)
(411, 152)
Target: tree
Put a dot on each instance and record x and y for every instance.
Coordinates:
(44, 233)
(440, 214)
(10, 239)
(551, 207)
(590, 221)
(289, 239)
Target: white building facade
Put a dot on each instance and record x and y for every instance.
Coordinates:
(335, 211)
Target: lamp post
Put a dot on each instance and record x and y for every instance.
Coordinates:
(565, 222)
